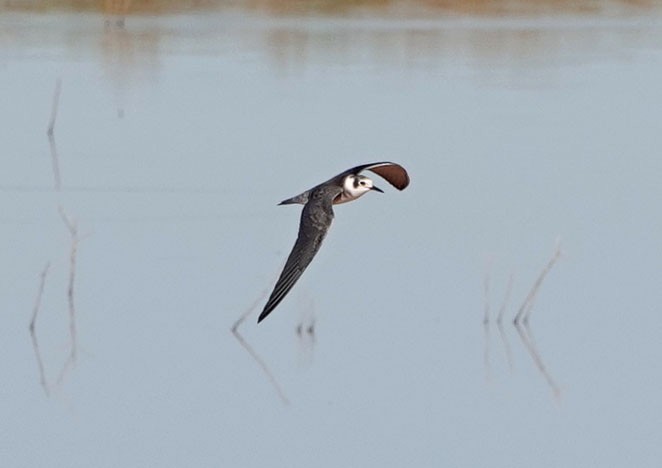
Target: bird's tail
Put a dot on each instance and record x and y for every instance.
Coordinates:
(301, 199)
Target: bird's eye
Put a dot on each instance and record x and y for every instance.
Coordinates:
(362, 182)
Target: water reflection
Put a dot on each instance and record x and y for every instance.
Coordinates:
(33, 331)
(70, 290)
(254, 354)
(69, 361)
(55, 159)
(127, 56)
(131, 37)
(414, 8)
(520, 322)
(305, 332)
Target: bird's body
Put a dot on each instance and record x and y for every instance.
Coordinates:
(317, 215)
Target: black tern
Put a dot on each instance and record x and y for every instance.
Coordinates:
(317, 215)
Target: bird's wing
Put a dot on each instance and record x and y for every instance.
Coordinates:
(393, 173)
(316, 218)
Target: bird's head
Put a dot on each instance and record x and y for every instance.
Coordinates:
(357, 185)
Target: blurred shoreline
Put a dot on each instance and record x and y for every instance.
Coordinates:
(358, 8)
(131, 38)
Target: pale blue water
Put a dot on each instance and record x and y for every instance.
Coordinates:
(177, 137)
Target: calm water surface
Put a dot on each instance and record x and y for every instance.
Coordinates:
(176, 136)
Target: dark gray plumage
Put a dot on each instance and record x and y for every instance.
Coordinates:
(316, 218)
(317, 215)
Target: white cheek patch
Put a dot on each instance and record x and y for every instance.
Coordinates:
(348, 185)
(353, 189)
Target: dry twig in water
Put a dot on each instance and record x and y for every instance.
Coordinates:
(526, 336)
(51, 135)
(305, 331)
(521, 323)
(73, 347)
(33, 333)
(251, 351)
(525, 310)
(499, 321)
(486, 322)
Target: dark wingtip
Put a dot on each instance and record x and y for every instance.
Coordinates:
(393, 173)
(266, 311)
(263, 315)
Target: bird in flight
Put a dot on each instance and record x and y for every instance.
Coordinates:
(317, 215)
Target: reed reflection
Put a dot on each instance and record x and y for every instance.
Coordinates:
(520, 323)
(414, 8)
(132, 37)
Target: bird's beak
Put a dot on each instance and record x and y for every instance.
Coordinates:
(374, 187)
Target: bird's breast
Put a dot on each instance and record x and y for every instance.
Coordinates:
(345, 197)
